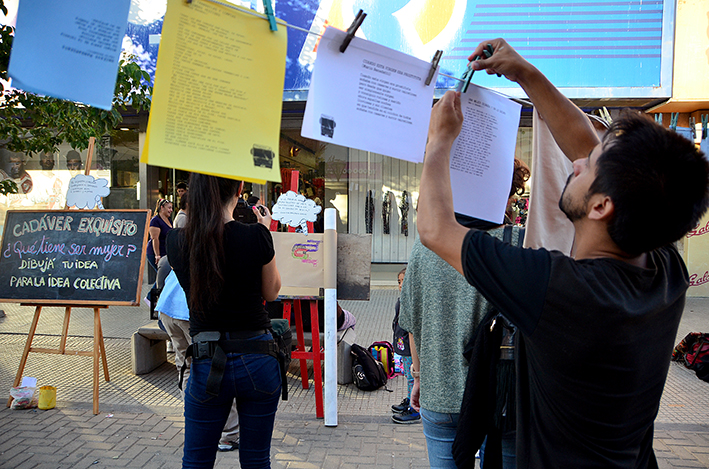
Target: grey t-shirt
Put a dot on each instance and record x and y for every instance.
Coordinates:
(441, 309)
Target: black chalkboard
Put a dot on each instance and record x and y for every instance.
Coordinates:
(73, 256)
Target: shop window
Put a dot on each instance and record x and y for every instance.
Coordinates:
(314, 162)
(43, 179)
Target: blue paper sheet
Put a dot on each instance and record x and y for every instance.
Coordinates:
(69, 50)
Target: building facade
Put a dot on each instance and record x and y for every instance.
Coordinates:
(611, 54)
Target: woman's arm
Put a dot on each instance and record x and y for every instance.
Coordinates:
(270, 281)
(155, 239)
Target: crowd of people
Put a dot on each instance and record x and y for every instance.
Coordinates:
(528, 355)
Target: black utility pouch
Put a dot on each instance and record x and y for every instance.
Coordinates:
(205, 344)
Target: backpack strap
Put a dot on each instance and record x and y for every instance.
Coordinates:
(507, 234)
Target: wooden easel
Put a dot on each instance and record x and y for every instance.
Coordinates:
(98, 351)
(316, 353)
(99, 348)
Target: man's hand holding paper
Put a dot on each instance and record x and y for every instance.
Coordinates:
(446, 119)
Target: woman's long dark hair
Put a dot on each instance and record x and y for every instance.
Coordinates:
(204, 235)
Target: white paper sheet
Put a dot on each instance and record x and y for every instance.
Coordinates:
(482, 157)
(370, 97)
(69, 50)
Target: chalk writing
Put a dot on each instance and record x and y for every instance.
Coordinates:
(301, 251)
(61, 256)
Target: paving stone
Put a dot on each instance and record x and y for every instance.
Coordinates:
(140, 424)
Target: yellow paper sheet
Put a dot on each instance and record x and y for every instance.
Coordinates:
(218, 93)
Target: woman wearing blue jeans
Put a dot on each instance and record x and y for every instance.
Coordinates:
(227, 269)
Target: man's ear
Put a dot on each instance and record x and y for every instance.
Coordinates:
(601, 208)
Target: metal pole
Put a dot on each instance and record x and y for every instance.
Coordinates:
(330, 251)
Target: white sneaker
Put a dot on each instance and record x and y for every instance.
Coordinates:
(228, 445)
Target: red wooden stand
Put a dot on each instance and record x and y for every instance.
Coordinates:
(316, 353)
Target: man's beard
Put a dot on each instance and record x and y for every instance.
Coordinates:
(566, 205)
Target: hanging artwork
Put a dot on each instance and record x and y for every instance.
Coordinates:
(404, 207)
(386, 210)
(369, 212)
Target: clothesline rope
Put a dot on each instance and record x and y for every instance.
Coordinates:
(298, 28)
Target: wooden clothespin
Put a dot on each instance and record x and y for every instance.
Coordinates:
(434, 65)
(606, 115)
(693, 127)
(352, 30)
(673, 120)
(658, 118)
(271, 16)
(705, 125)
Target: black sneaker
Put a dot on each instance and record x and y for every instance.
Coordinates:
(408, 416)
(397, 409)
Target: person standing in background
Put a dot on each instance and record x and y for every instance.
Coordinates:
(403, 412)
(227, 269)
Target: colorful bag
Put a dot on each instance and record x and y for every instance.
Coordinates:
(384, 352)
(693, 352)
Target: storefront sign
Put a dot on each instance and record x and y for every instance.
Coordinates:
(697, 257)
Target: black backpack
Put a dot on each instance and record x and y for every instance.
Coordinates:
(367, 373)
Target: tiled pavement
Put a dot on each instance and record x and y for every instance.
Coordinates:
(140, 423)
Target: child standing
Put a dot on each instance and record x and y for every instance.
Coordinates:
(403, 412)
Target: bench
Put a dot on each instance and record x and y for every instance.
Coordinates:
(148, 348)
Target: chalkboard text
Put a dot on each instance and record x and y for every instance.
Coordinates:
(70, 256)
(94, 225)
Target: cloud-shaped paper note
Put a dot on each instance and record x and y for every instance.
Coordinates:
(295, 210)
(86, 191)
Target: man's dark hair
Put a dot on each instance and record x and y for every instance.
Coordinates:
(183, 201)
(658, 182)
(181, 185)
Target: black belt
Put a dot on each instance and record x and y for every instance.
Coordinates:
(212, 345)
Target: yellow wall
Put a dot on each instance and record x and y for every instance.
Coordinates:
(697, 257)
(691, 62)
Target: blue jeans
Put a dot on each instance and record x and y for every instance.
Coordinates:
(255, 382)
(509, 451)
(439, 430)
(406, 365)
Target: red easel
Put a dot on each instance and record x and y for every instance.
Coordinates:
(295, 305)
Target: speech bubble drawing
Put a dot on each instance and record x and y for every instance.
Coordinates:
(295, 210)
(86, 191)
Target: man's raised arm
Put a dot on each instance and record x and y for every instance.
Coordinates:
(570, 127)
(437, 227)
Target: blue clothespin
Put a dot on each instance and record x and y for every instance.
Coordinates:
(468, 73)
(268, 8)
(673, 120)
(705, 125)
(658, 118)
